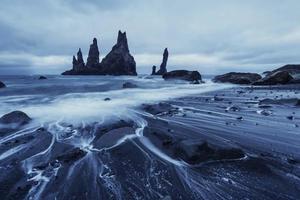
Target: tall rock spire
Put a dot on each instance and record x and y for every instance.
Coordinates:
(122, 42)
(163, 67)
(78, 63)
(80, 57)
(119, 61)
(153, 70)
(93, 57)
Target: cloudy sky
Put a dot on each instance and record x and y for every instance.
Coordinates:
(212, 36)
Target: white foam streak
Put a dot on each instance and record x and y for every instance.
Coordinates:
(91, 107)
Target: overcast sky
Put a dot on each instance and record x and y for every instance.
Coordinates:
(212, 36)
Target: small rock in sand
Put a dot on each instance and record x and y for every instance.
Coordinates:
(290, 117)
(15, 117)
(42, 77)
(2, 85)
(129, 85)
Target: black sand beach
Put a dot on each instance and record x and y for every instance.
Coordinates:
(238, 142)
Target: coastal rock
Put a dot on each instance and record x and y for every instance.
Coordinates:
(280, 77)
(153, 70)
(196, 151)
(15, 117)
(183, 75)
(119, 61)
(93, 57)
(2, 85)
(42, 77)
(237, 78)
(78, 64)
(72, 155)
(163, 67)
(290, 68)
(129, 85)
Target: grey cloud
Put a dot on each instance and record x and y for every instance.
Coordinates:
(217, 33)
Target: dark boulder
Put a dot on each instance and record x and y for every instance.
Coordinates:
(2, 85)
(183, 75)
(237, 78)
(15, 117)
(129, 85)
(119, 61)
(198, 150)
(42, 77)
(159, 108)
(93, 57)
(280, 77)
(72, 155)
(163, 67)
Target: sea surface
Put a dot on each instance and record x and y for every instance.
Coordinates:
(90, 138)
(81, 98)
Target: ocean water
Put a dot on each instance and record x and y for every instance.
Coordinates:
(81, 98)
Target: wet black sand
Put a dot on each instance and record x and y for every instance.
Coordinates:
(238, 143)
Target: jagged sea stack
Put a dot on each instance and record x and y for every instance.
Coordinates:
(119, 61)
(163, 67)
(153, 70)
(78, 64)
(93, 57)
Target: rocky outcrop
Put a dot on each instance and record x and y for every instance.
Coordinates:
(291, 68)
(153, 70)
(197, 151)
(163, 67)
(78, 64)
(280, 77)
(119, 61)
(237, 78)
(93, 57)
(2, 85)
(183, 75)
(129, 85)
(42, 78)
(15, 117)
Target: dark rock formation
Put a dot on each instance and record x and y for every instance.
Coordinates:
(15, 117)
(129, 85)
(72, 155)
(237, 78)
(183, 75)
(42, 77)
(119, 61)
(153, 70)
(292, 69)
(160, 108)
(163, 67)
(78, 64)
(2, 85)
(196, 151)
(280, 77)
(93, 57)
